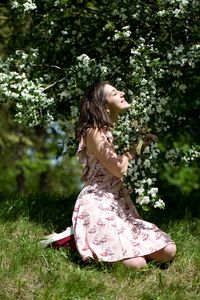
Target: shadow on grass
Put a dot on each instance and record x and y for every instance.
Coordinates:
(53, 211)
(109, 267)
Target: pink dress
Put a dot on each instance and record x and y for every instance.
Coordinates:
(106, 224)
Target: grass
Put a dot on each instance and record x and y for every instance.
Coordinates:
(29, 272)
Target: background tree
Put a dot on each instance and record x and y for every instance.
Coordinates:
(33, 159)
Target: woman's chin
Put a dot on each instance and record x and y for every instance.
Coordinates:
(125, 108)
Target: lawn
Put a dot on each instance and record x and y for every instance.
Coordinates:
(31, 272)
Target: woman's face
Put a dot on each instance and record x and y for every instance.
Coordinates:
(116, 100)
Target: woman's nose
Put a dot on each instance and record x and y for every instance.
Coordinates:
(122, 94)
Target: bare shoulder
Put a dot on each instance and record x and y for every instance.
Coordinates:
(94, 137)
(95, 134)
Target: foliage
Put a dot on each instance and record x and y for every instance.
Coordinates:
(148, 48)
(17, 89)
(138, 48)
(35, 153)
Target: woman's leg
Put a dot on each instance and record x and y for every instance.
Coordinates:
(163, 255)
(135, 262)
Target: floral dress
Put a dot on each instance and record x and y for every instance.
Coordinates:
(106, 224)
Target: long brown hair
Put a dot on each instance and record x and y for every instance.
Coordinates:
(93, 112)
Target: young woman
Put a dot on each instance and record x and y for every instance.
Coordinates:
(106, 224)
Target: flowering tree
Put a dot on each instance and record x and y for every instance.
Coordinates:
(150, 49)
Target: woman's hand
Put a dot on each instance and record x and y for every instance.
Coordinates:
(142, 144)
(149, 138)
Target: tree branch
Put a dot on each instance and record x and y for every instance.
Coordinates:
(51, 85)
(46, 65)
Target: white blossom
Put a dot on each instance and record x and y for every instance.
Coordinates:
(159, 204)
(27, 6)
(153, 192)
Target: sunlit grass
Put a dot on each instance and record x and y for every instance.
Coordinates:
(28, 271)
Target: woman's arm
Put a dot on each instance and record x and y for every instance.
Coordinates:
(98, 145)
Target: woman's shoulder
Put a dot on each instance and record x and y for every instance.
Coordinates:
(96, 136)
(98, 133)
(95, 130)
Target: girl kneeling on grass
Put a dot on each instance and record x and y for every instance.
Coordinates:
(106, 224)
